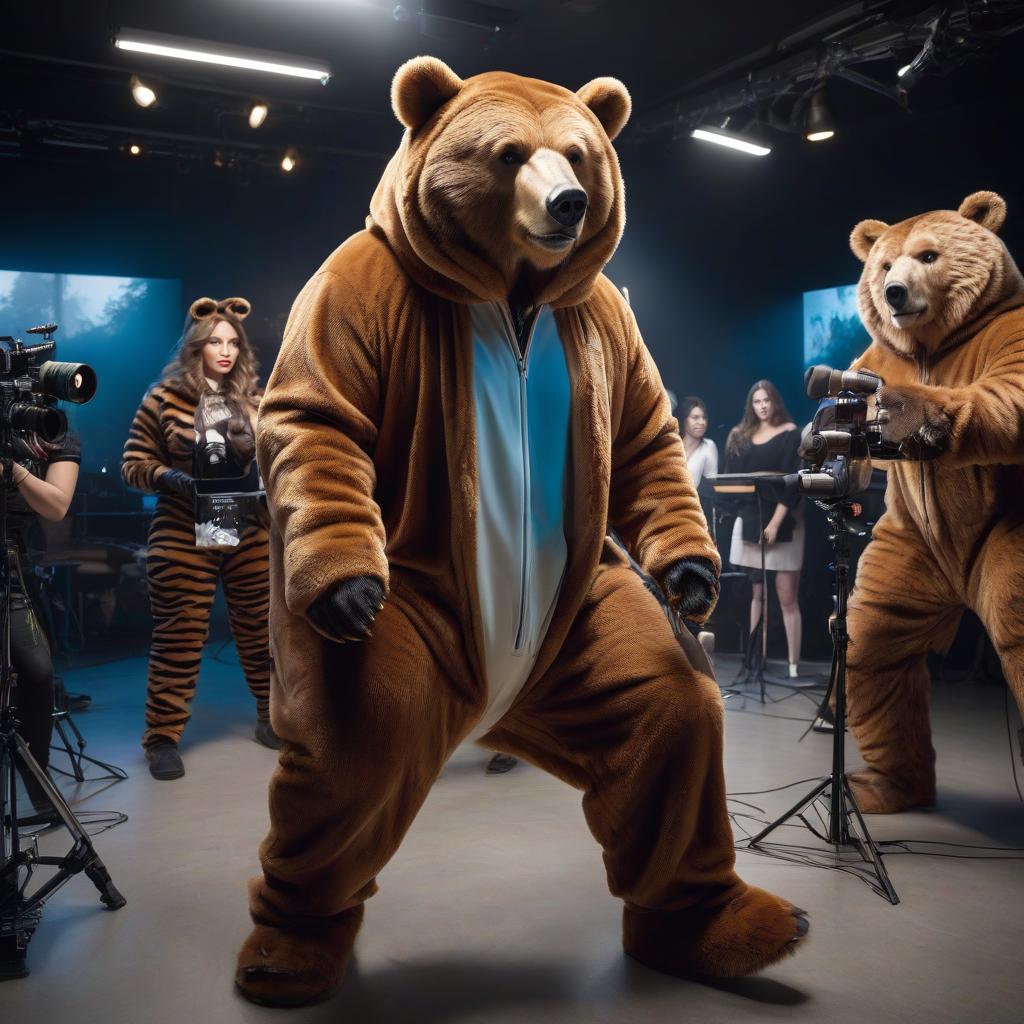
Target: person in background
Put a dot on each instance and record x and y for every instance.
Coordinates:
(39, 479)
(701, 451)
(766, 440)
(198, 420)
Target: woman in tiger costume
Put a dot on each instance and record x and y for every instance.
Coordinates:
(199, 419)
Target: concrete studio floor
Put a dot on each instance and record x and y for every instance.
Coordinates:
(495, 910)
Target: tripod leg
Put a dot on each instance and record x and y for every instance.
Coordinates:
(98, 874)
(793, 811)
(866, 845)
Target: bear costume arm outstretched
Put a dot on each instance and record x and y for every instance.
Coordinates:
(653, 505)
(981, 423)
(315, 440)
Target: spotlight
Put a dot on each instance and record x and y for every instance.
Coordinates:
(159, 45)
(820, 124)
(721, 138)
(135, 149)
(257, 114)
(142, 93)
(288, 163)
(902, 71)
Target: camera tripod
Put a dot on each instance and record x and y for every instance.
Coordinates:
(21, 910)
(834, 788)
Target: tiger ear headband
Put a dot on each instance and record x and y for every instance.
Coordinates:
(203, 309)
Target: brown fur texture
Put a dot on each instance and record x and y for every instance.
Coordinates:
(952, 536)
(367, 445)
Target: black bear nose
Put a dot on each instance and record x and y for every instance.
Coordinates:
(896, 296)
(567, 205)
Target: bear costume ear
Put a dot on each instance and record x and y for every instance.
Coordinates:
(238, 307)
(864, 236)
(985, 208)
(421, 86)
(609, 100)
(202, 309)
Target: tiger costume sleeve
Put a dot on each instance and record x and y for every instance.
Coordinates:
(145, 451)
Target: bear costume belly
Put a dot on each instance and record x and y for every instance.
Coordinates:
(522, 445)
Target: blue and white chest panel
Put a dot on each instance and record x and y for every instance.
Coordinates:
(522, 443)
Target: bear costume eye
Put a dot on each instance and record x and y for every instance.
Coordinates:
(511, 156)
(928, 257)
(575, 157)
(887, 267)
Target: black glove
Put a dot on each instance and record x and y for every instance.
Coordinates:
(174, 481)
(692, 586)
(347, 611)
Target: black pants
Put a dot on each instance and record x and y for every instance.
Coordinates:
(30, 654)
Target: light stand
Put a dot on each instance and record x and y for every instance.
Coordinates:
(842, 808)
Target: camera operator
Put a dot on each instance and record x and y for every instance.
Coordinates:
(39, 478)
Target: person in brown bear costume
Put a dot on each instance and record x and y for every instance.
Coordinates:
(461, 409)
(944, 303)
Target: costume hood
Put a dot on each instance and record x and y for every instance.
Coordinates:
(452, 267)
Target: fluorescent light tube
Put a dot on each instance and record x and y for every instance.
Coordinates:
(134, 41)
(729, 141)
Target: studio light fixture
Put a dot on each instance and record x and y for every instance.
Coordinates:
(721, 138)
(820, 124)
(257, 114)
(288, 162)
(143, 94)
(159, 45)
(135, 149)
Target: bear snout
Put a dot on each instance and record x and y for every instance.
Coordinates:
(567, 205)
(896, 295)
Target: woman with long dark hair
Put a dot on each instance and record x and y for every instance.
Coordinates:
(766, 439)
(199, 422)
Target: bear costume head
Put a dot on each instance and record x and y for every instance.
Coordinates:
(933, 281)
(500, 178)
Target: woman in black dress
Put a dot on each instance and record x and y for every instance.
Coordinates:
(766, 439)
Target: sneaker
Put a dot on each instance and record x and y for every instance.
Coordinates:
(164, 760)
(501, 763)
(264, 733)
(824, 720)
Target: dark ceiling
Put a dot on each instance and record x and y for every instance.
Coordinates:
(64, 87)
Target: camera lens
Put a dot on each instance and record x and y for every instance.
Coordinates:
(70, 382)
(50, 424)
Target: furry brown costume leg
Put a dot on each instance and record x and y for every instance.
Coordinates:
(334, 823)
(624, 717)
(904, 608)
(995, 588)
(657, 806)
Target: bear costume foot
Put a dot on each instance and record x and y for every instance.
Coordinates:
(296, 968)
(740, 937)
(877, 793)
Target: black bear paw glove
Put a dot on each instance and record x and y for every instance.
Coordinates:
(174, 481)
(347, 611)
(692, 586)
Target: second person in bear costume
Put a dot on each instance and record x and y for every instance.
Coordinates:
(461, 409)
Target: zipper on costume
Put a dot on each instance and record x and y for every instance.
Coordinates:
(521, 359)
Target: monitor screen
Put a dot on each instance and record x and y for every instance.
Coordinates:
(833, 333)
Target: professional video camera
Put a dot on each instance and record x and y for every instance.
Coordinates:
(842, 441)
(28, 387)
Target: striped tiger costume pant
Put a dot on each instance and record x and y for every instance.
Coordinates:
(182, 584)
